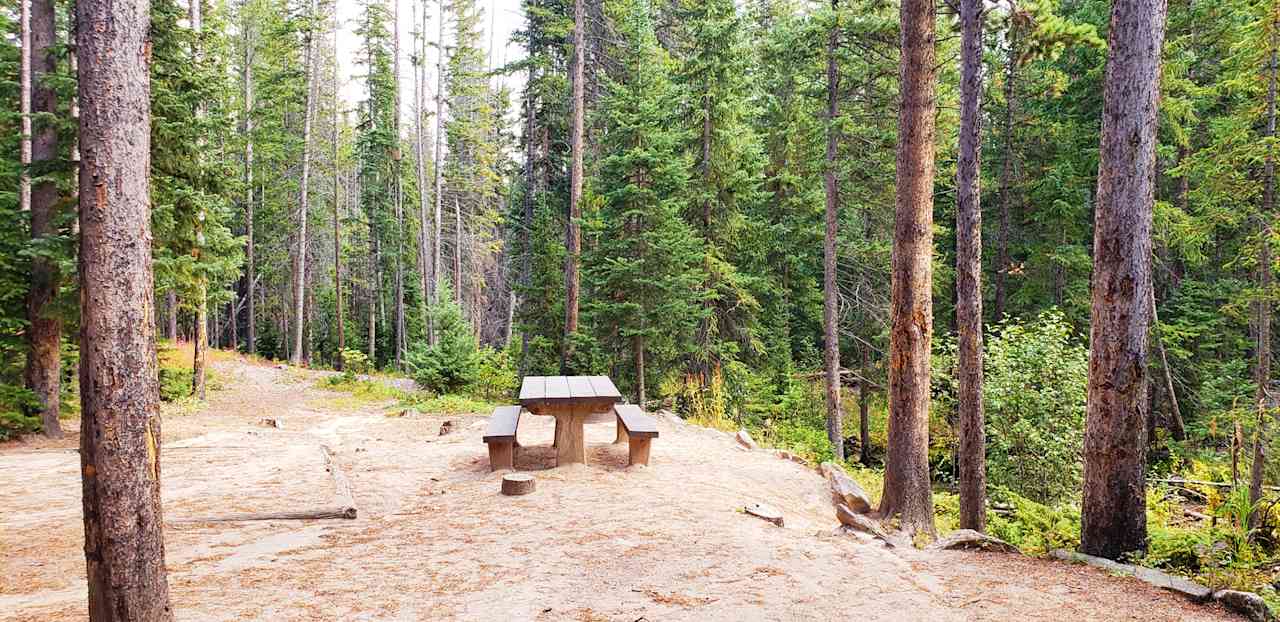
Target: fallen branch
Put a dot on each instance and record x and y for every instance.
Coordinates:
(344, 512)
(1197, 482)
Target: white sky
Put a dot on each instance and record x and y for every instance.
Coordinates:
(501, 16)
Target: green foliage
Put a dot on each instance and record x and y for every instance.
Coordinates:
(1034, 395)
(449, 404)
(495, 378)
(175, 383)
(15, 402)
(453, 364)
(355, 361)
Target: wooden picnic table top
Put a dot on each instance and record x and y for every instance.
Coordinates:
(537, 390)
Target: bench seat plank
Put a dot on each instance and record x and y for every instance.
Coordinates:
(637, 423)
(502, 425)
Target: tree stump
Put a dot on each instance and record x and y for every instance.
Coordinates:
(517, 484)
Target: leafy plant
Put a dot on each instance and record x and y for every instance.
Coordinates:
(453, 364)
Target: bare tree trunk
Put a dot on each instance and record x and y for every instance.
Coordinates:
(439, 179)
(200, 355)
(171, 310)
(398, 188)
(907, 494)
(457, 249)
(300, 260)
(1263, 370)
(1006, 178)
(640, 371)
(44, 334)
(530, 190)
(972, 450)
(1179, 428)
(337, 218)
(119, 391)
(24, 105)
(251, 333)
(573, 233)
(830, 293)
(1113, 514)
(864, 408)
(419, 102)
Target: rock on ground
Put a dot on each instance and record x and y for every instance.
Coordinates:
(970, 539)
(862, 523)
(1247, 604)
(844, 489)
(745, 440)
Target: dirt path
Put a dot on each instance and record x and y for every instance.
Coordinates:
(435, 540)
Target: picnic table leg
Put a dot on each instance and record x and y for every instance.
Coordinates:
(622, 433)
(570, 443)
(555, 440)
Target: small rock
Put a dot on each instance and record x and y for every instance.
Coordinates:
(861, 523)
(765, 512)
(271, 423)
(446, 427)
(785, 455)
(844, 489)
(970, 539)
(1247, 604)
(745, 440)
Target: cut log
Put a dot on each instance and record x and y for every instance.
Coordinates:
(970, 539)
(745, 440)
(859, 522)
(765, 512)
(1186, 587)
(518, 484)
(343, 512)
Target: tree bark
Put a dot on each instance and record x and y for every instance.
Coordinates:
(1113, 514)
(24, 105)
(1006, 178)
(44, 334)
(864, 408)
(337, 218)
(972, 451)
(437, 163)
(530, 190)
(300, 259)
(1263, 368)
(251, 334)
(424, 256)
(830, 293)
(573, 234)
(398, 188)
(200, 349)
(1179, 427)
(119, 390)
(907, 494)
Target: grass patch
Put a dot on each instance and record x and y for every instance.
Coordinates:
(449, 404)
(360, 390)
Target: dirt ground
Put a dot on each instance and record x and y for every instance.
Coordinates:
(435, 540)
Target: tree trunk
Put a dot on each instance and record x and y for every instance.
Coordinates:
(398, 188)
(907, 494)
(24, 105)
(337, 218)
(830, 293)
(573, 234)
(1263, 371)
(200, 355)
(171, 310)
(419, 101)
(640, 379)
(300, 260)
(1006, 178)
(44, 334)
(864, 408)
(251, 334)
(530, 190)
(1179, 427)
(119, 391)
(972, 451)
(1113, 514)
(457, 249)
(437, 163)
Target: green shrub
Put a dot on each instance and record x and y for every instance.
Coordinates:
(354, 362)
(1034, 394)
(175, 383)
(447, 404)
(496, 377)
(453, 364)
(15, 402)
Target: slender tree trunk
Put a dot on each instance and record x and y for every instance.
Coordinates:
(44, 334)
(1179, 427)
(573, 233)
(830, 293)
(530, 190)
(638, 345)
(864, 409)
(438, 164)
(1263, 369)
(24, 105)
(420, 154)
(1006, 178)
(337, 218)
(300, 260)
(199, 360)
(1113, 515)
(251, 334)
(398, 188)
(972, 450)
(907, 494)
(119, 391)
(171, 310)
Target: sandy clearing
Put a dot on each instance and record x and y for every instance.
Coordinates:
(436, 541)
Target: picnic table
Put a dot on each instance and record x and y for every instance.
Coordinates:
(570, 399)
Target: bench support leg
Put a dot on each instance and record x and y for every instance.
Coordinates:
(622, 433)
(501, 456)
(638, 449)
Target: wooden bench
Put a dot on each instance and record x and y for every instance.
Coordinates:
(640, 430)
(501, 437)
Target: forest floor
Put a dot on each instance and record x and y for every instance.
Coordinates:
(435, 540)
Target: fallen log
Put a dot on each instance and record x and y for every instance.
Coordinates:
(343, 512)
